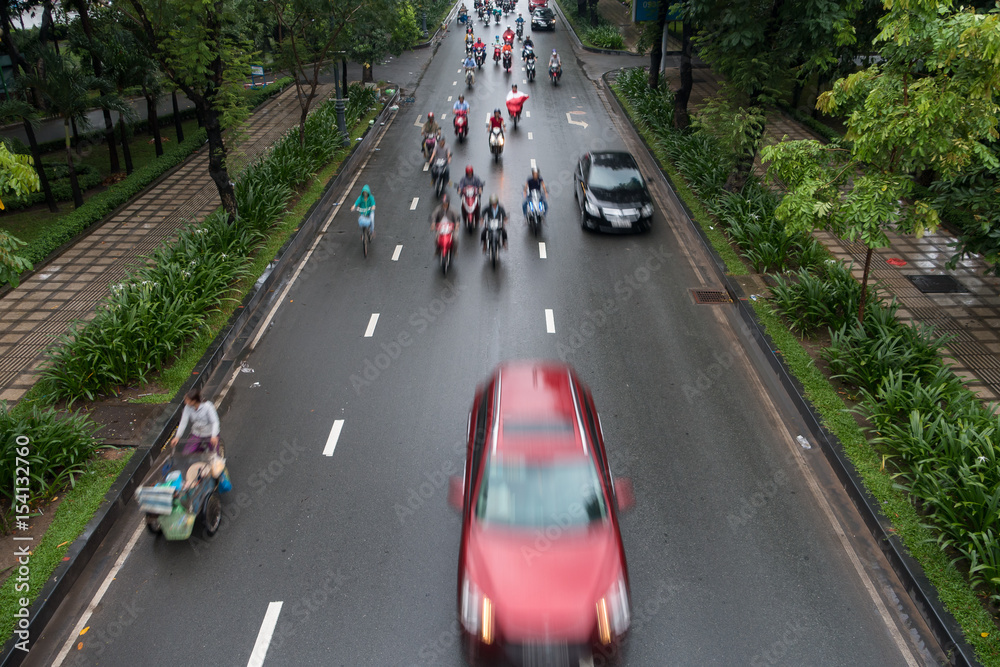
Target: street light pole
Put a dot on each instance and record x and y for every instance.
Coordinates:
(424, 23)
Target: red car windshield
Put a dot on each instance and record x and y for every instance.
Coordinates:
(522, 493)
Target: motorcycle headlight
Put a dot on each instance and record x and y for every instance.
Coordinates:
(591, 208)
(477, 612)
(613, 614)
(647, 210)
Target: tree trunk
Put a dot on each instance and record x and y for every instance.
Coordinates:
(683, 94)
(656, 53)
(95, 61)
(126, 153)
(154, 123)
(36, 155)
(864, 288)
(73, 182)
(581, 8)
(76, 135)
(109, 139)
(217, 167)
(594, 17)
(367, 75)
(178, 125)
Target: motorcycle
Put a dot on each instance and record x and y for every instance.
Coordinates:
(554, 74)
(461, 123)
(480, 56)
(470, 208)
(470, 78)
(507, 61)
(520, 31)
(445, 243)
(496, 15)
(529, 67)
(514, 105)
(496, 55)
(496, 143)
(439, 170)
(535, 214)
(493, 240)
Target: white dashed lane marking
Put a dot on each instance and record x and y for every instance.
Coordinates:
(541, 250)
(413, 204)
(395, 253)
(550, 322)
(264, 636)
(371, 325)
(331, 441)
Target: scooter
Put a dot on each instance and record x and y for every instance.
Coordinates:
(493, 240)
(480, 56)
(428, 146)
(461, 123)
(554, 74)
(529, 67)
(470, 208)
(520, 31)
(440, 172)
(535, 214)
(445, 244)
(496, 143)
(496, 14)
(470, 78)
(507, 61)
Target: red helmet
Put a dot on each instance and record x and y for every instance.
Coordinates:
(430, 115)
(468, 171)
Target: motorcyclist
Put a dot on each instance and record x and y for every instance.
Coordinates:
(479, 44)
(461, 106)
(508, 35)
(555, 62)
(535, 182)
(496, 49)
(470, 65)
(520, 22)
(441, 151)
(495, 210)
(528, 46)
(444, 213)
(507, 51)
(517, 98)
(496, 120)
(470, 180)
(429, 129)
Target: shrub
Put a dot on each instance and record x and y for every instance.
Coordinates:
(59, 447)
(58, 174)
(605, 36)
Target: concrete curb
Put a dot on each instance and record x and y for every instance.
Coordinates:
(946, 630)
(217, 361)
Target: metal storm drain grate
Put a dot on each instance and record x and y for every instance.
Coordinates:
(937, 284)
(710, 296)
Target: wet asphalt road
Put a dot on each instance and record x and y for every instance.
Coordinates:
(732, 559)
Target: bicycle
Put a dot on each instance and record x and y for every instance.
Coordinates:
(367, 225)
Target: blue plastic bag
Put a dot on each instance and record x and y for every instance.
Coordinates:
(225, 484)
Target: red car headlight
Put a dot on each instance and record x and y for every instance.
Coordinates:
(477, 612)
(613, 615)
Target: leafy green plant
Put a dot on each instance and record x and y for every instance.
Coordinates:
(59, 447)
(605, 36)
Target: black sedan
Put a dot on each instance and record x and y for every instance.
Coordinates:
(612, 194)
(543, 18)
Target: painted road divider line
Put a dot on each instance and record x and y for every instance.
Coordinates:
(331, 441)
(413, 204)
(264, 636)
(530, 137)
(541, 250)
(372, 321)
(395, 253)
(550, 322)
(532, 163)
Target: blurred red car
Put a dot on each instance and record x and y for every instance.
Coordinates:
(542, 578)
(535, 4)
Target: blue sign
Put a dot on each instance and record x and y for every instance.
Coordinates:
(646, 10)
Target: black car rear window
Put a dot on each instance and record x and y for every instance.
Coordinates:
(544, 12)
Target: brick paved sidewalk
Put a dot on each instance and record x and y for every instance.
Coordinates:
(72, 284)
(970, 316)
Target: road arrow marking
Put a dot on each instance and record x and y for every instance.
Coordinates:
(569, 119)
(418, 122)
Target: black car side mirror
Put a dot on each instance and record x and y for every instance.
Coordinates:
(624, 494)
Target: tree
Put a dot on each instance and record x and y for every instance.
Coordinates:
(930, 104)
(201, 56)
(67, 91)
(376, 33)
(758, 47)
(683, 93)
(21, 69)
(16, 176)
(89, 42)
(309, 29)
(656, 52)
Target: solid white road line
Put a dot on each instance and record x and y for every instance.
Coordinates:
(413, 204)
(550, 322)
(395, 253)
(532, 163)
(541, 250)
(331, 442)
(264, 636)
(85, 618)
(372, 321)
(530, 137)
(319, 238)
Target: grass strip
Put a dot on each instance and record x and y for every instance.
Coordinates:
(953, 589)
(77, 508)
(174, 377)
